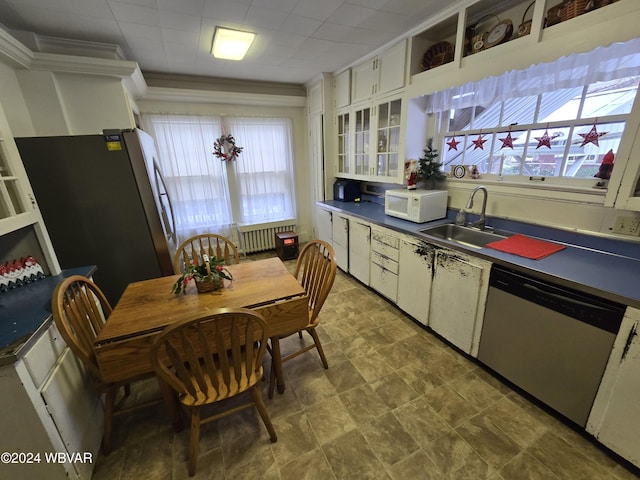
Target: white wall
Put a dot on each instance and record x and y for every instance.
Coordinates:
(13, 103)
(41, 103)
(93, 103)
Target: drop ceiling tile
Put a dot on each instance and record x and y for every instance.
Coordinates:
(90, 8)
(264, 17)
(350, 15)
(179, 21)
(231, 11)
(319, 10)
(143, 46)
(140, 3)
(300, 25)
(280, 5)
(387, 22)
(181, 37)
(135, 30)
(191, 7)
(332, 31)
(125, 12)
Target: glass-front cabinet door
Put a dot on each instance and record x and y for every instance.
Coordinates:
(11, 198)
(362, 138)
(388, 138)
(343, 143)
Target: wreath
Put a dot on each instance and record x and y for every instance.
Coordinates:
(225, 148)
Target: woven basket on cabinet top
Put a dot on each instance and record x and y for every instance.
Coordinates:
(573, 8)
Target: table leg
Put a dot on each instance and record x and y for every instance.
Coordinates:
(172, 404)
(277, 363)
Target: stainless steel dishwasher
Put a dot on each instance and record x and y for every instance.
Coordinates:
(551, 341)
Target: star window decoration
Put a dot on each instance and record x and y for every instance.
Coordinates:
(592, 136)
(479, 142)
(453, 144)
(507, 141)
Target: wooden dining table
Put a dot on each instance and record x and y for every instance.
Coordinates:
(123, 346)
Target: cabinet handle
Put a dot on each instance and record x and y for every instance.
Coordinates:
(632, 333)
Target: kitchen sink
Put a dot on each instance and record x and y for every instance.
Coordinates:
(467, 236)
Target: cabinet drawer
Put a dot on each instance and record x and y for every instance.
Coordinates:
(385, 238)
(384, 282)
(385, 250)
(384, 262)
(44, 354)
(340, 230)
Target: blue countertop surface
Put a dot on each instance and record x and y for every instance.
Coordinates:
(25, 309)
(601, 265)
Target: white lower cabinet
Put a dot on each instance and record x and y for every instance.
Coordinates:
(359, 250)
(50, 411)
(340, 237)
(414, 278)
(615, 416)
(323, 219)
(385, 254)
(458, 296)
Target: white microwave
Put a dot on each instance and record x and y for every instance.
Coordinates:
(416, 205)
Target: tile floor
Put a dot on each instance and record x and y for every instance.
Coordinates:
(395, 403)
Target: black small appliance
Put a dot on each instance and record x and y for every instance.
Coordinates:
(346, 190)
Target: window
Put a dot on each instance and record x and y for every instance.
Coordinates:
(208, 194)
(547, 134)
(563, 118)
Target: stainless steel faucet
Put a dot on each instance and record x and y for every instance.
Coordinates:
(480, 223)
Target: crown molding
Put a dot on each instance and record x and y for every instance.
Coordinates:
(108, 63)
(210, 96)
(56, 62)
(222, 84)
(14, 52)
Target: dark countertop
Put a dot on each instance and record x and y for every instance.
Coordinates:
(26, 310)
(597, 264)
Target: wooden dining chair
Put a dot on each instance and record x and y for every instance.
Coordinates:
(211, 358)
(80, 310)
(316, 271)
(191, 250)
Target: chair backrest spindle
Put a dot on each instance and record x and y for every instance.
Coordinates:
(192, 250)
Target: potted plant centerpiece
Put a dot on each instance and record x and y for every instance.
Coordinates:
(209, 276)
(429, 171)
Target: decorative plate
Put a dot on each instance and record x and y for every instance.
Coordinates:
(499, 33)
(459, 171)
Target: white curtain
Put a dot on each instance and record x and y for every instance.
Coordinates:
(211, 195)
(617, 60)
(196, 180)
(264, 173)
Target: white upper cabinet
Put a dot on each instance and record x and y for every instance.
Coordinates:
(342, 89)
(391, 69)
(369, 141)
(315, 98)
(379, 75)
(363, 80)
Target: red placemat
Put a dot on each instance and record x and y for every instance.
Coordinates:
(526, 247)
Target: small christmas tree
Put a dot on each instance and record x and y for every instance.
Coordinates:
(429, 170)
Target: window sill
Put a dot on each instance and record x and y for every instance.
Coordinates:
(535, 189)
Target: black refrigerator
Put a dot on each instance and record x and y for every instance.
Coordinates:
(103, 204)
